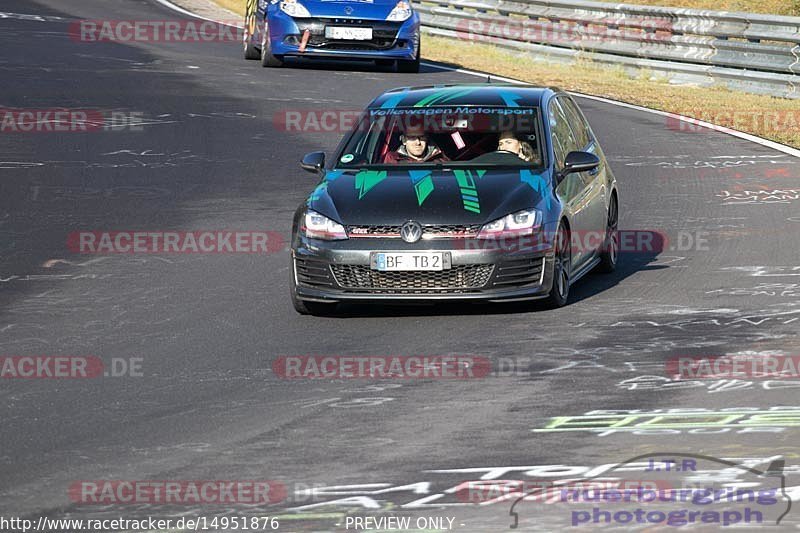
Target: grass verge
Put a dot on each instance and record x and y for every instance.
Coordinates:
(772, 7)
(237, 6)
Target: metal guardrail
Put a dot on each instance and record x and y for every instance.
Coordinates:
(751, 52)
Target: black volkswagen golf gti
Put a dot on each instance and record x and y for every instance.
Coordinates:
(463, 192)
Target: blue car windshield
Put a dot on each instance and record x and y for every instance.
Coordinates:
(453, 136)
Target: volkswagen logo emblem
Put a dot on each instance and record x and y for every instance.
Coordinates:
(348, 10)
(411, 231)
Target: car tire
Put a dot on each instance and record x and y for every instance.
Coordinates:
(409, 67)
(562, 265)
(267, 59)
(250, 51)
(610, 253)
(310, 308)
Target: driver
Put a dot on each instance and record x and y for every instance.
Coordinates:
(509, 143)
(510, 151)
(415, 148)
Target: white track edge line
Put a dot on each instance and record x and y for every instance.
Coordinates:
(697, 122)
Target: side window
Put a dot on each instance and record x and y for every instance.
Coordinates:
(564, 142)
(579, 126)
(563, 139)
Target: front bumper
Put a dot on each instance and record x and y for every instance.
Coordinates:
(340, 271)
(391, 40)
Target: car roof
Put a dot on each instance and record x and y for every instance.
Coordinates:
(485, 94)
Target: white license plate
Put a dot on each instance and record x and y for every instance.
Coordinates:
(348, 34)
(394, 261)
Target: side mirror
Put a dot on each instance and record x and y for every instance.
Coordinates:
(313, 162)
(580, 162)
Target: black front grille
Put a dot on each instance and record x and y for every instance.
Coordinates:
(460, 278)
(313, 273)
(373, 231)
(440, 231)
(454, 230)
(519, 272)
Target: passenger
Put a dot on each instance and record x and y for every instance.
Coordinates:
(415, 148)
(509, 143)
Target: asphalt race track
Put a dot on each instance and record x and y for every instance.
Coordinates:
(204, 330)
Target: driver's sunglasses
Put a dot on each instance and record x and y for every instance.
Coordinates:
(420, 138)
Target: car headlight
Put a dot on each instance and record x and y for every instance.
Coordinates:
(402, 11)
(295, 9)
(316, 226)
(519, 223)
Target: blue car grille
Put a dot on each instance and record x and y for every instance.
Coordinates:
(384, 34)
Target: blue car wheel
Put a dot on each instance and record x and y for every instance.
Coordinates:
(268, 59)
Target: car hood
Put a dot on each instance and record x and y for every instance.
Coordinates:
(434, 196)
(377, 9)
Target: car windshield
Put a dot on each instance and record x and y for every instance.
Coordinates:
(462, 136)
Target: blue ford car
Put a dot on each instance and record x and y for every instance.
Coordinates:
(386, 31)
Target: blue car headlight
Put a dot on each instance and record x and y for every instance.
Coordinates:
(295, 9)
(402, 11)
